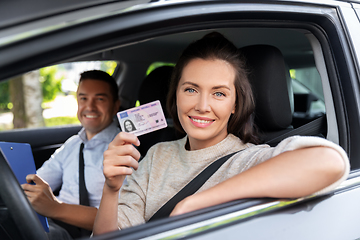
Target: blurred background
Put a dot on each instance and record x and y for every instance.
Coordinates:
(45, 97)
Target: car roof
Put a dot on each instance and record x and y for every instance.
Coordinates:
(35, 17)
(154, 47)
(13, 12)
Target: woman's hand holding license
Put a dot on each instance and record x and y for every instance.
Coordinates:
(120, 159)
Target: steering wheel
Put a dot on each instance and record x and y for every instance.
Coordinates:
(19, 208)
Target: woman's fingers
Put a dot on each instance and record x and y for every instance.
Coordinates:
(123, 161)
(124, 155)
(124, 138)
(120, 159)
(121, 151)
(124, 150)
(121, 165)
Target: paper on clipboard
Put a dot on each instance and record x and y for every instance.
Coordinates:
(21, 160)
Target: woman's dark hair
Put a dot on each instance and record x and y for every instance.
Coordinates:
(211, 47)
(133, 128)
(102, 76)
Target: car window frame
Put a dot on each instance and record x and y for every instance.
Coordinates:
(334, 49)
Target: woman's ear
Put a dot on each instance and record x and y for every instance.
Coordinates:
(233, 111)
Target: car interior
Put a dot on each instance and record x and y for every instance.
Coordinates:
(283, 70)
(270, 53)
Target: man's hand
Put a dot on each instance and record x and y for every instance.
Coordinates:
(120, 159)
(40, 196)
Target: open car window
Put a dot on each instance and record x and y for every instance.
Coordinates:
(308, 93)
(45, 97)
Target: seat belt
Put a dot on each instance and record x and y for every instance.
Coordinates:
(191, 187)
(312, 128)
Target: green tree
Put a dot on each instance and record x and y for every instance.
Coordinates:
(4, 95)
(51, 85)
(108, 66)
(155, 65)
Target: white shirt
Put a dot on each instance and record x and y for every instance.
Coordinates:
(62, 169)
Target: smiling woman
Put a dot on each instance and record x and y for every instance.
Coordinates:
(209, 94)
(206, 99)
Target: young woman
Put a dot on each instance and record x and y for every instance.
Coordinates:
(210, 99)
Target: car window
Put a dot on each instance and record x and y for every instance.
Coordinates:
(308, 93)
(310, 79)
(45, 97)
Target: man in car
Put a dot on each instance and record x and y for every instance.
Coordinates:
(98, 102)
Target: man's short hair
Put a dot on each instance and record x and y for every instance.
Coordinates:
(102, 76)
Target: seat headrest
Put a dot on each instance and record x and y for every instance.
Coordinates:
(156, 86)
(271, 82)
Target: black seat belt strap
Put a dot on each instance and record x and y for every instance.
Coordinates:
(312, 128)
(190, 188)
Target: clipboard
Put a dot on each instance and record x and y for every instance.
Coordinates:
(21, 160)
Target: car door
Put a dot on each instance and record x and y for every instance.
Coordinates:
(331, 30)
(336, 58)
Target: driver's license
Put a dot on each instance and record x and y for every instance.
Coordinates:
(143, 119)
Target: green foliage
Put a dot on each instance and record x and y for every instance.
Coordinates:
(293, 73)
(59, 121)
(51, 85)
(4, 95)
(156, 65)
(108, 66)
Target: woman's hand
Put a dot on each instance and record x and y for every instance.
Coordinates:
(188, 204)
(120, 159)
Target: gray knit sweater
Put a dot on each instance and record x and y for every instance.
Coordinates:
(168, 167)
